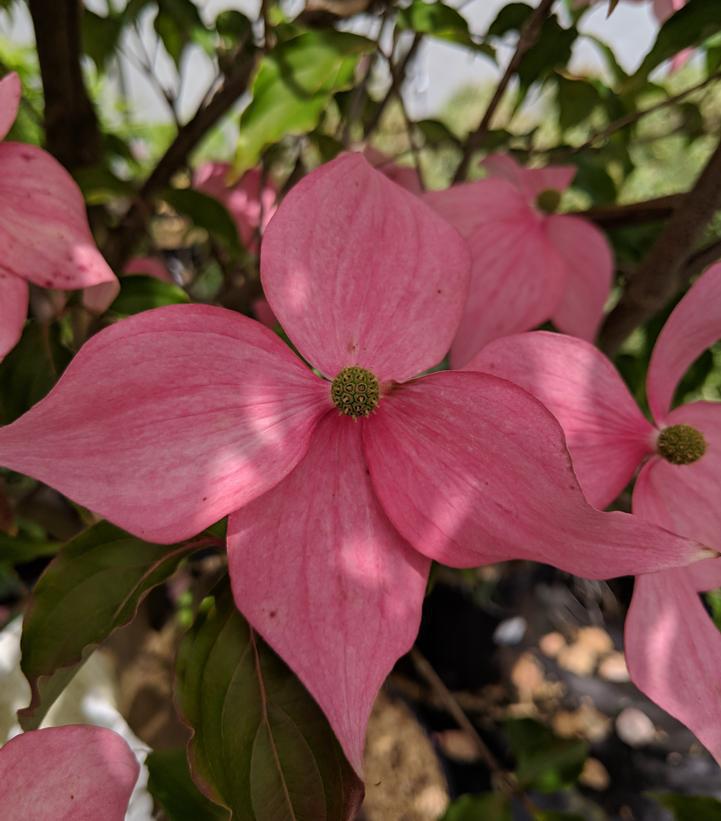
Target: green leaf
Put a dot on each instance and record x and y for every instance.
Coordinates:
(93, 586)
(293, 87)
(100, 186)
(100, 36)
(141, 293)
(205, 212)
(31, 368)
(261, 745)
(544, 762)
(688, 27)
(177, 24)
(576, 101)
(510, 18)
(436, 133)
(16, 551)
(172, 787)
(550, 51)
(690, 807)
(440, 21)
(489, 806)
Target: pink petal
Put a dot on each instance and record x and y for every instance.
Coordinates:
(517, 275)
(250, 200)
(360, 272)
(10, 93)
(71, 773)
(606, 433)
(663, 9)
(404, 175)
(673, 651)
(323, 576)
(263, 313)
(44, 233)
(13, 310)
(167, 421)
(694, 325)
(589, 260)
(531, 181)
(472, 469)
(98, 298)
(685, 498)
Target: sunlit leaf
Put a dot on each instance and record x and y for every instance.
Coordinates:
(440, 21)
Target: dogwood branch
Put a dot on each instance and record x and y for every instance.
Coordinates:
(660, 274)
(122, 240)
(398, 74)
(632, 213)
(71, 127)
(527, 39)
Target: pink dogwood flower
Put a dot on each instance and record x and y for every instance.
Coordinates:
(251, 201)
(528, 263)
(44, 232)
(342, 482)
(673, 648)
(71, 773)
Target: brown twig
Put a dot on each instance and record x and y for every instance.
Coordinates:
(71, 127)
(632, 213)
(659, 276)
(122, 240)
(634, 116)
(397, 76)
(527, 39)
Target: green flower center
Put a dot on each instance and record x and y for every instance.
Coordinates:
(681, 444)
(355, 392)
(548, 201)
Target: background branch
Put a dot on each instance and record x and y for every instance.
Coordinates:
(660, 275)
(71, 127)
(527, 39)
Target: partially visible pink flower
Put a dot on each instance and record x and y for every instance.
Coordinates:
(672, 646)
(251, 200)
(340, 488)
(71, 773)
(98, 298)
(404, 175)
(44, 232)
(529, 263)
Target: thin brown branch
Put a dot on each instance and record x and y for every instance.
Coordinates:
(634, 116)
(527, 39)
(660, 275)
(71, 127)
(122, 240)
(632, 213)
(398, 75)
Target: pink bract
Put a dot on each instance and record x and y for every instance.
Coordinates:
(172, 419)
(527, 266)
(251, 200)
(71, 773)
(44, 230)
(673, 648)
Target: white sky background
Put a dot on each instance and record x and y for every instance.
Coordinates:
(440, 69)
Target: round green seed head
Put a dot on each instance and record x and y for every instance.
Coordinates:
(355, 392)
(681, 444)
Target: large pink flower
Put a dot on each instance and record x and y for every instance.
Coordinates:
(673, 647)
(529, 264)
(340, 487)
(70, 773)
(44, 233)
(251, 201)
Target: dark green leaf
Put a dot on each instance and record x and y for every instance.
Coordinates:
(510, 18)
(691, 807)
(553, 815)
(261, 746)
(93, 586)
(438, 20)
(177, 24)
(576, 101)
(205, 212)
(488, 806)
(100, 36)
(688, 27)
(30, 369)
(141, 293)
(593, 178)
(172, 787)
(551, 50)
(436, 132)
(294, 85)
(607, 53)
(233, 26)
(544, 762)
(99, 185)
(16, 551)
